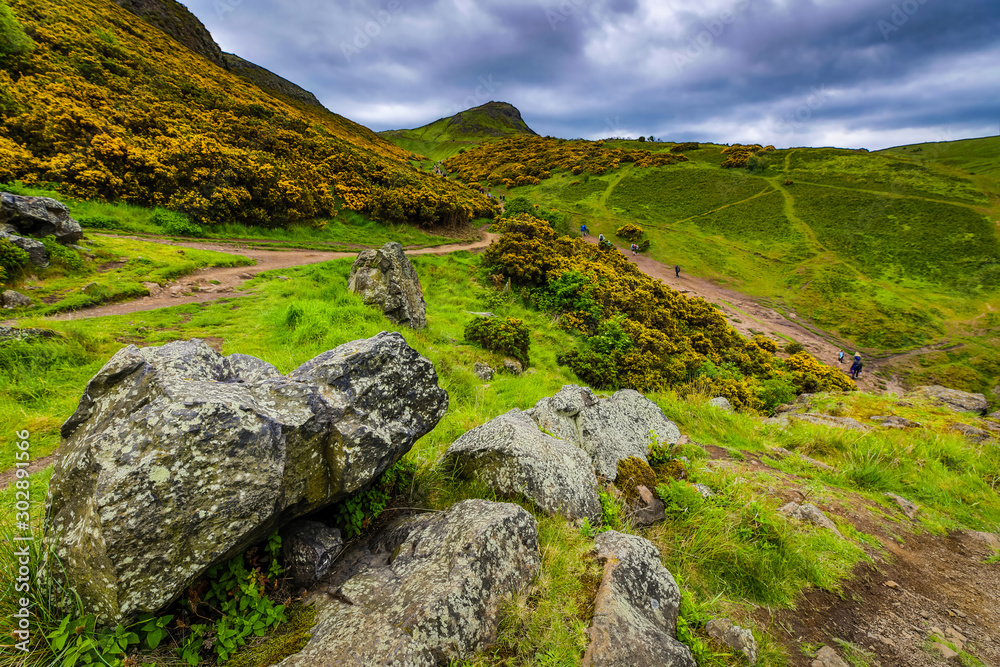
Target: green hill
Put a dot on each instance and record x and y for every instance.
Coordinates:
(449, 136)
(889, 251)
(104, 105)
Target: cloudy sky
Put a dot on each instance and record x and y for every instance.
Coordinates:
(849, 73)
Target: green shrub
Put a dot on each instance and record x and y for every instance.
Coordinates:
(630, 232)
(686, 146)
(60, 254)
(12, 258)
(504, 335)
(13, 40)
(794, 347)
(177, 224)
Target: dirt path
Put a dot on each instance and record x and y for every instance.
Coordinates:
(749, 317)
(213, 283)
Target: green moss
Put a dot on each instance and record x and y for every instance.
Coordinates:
(634, 472)
(289, 638)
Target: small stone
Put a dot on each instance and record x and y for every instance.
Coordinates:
(246, 276)
(12, 299)
(827, 657)
(891, 584)
(925, 613)
(811, 514)
(483, 371)
(282, 277)
(722, 403)
(935, 630)
(513, 366)
(740, 639)
(945, 652)
(704, 490)
(908, 508)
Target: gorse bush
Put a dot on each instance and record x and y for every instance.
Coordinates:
(630, 232)
(638, 333)
(504, 335)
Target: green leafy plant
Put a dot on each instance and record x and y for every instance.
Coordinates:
(504, 335)
(177, 224)
(60, 254)
(611, 511)
(355, 514)
(12, 258)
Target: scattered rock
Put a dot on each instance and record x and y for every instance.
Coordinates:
(12, 300)
(959, 401)
(37, 254)
(387, 279)
(892, 421)
(246, 276)
(945, 652)
(829, 420)
(513, 366)
(39, 216)
(154, 289)
(479, 314)
(971, 433)
(740, 639)
(609, 429)
(635, 612)
(810, 514)
(891, 584)
(8, 333)
(178, 457)
(512, 456)
(308, 549)
(483, 371)
(423, 591)
(827, 657)
(704, 490)
(722, 403)
(283, 278)
(780, 452)
(649, 509)
(908, 508)
(817, 464)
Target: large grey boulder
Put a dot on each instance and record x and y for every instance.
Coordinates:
(959, 401)
(178, 458)
(635, 612)
(608, 429)
(512, 456)
(387, 279)
(39, 216)
(424, 591)
(11, 300)
(37, 254)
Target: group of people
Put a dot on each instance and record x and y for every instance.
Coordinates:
(601, 242)
(855, 367)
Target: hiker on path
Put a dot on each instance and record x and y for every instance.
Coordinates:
(856, 367)
(600, 240)
(677, 270)
(584, 231)
(840, 357)
(635, 249)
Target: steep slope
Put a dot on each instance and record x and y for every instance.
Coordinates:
(106, 106)
(174, 19)
(448, 136)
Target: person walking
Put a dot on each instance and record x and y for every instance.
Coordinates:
(635, 249)
(677, 270)
(856, 367)
(840, 357)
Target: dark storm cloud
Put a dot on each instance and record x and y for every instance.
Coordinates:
(788, 72)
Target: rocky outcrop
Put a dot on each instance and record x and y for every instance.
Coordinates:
(959, 401)
(177, 458)
(387, 279)
(424, 591)
(10, 300)
(510, 455)
(739, 639)
(308, 549)
(37, 254)
(810, 514)
(38, 216)
(608, 429)
(971, 433)
(174, 19)
(635, 612)
(267, 80)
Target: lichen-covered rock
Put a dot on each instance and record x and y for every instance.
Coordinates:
(424, 591)
(609, 429)
(177, 458)
(722, 403)
(635, 612)
(39, 216)
(810, 514)
(387, 279)
(959, 401)
(308, 549)
(740, 639)
(512, 456)
(37, 254)
(11, 300)
(972, 433)
(14, 333)
(895, 421)
(483, 371)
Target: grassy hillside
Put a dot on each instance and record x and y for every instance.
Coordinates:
(449, 136)
(889, 251)
(103, 105)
